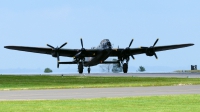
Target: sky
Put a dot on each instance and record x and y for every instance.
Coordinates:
(38, 22)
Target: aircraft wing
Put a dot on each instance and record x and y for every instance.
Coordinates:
(141, 50)
(49, 51)
(170, 47)
(93, 52)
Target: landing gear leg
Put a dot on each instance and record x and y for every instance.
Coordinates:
(89, 70)
(80, 67)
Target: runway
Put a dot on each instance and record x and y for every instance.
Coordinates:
(61, 94)
(170, 74)
(177, 75)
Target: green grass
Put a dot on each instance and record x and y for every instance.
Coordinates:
(58, 82)
(177, 103)
(187, 71)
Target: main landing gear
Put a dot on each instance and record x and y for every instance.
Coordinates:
(125, 65)
(80, 67)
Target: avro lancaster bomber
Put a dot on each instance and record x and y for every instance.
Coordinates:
(98, 55)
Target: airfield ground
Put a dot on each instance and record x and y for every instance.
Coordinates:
(170, 74)
(19, 82)
(154, 92)
(174, 103)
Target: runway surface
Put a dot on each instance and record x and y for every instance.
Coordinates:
(178, 75)
(97, 92)
(172, 74)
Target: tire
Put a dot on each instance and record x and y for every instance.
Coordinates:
(125, 67)
(80, 68)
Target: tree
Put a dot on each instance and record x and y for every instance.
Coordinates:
(141, 69)
(116, 67)
(48, 70)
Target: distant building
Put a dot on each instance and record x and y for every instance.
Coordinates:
(193, 67)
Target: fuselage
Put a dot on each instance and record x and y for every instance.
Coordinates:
(105, 49)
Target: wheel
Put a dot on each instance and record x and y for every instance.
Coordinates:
(80, 68)
(125, 67)
(89, 70)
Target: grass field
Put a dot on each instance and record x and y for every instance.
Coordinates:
(187, 71)
(179, 103)
(58, 82)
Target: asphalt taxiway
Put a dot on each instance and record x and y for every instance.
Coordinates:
(60, 94)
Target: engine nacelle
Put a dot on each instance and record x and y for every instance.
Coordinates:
(54, 53)
(150, 51)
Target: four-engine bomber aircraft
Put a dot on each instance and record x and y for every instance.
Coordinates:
(91, 57)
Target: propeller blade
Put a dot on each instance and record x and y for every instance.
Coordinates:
(58, 64)
(63, 45)
(133, 57)
(50, 46)
(58, 59)
(156, 56)
(81, 42)
(155, 42)
(77, 55)
(131, 43)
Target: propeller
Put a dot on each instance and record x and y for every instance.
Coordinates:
(127, 50)
(154, 49)
(56, 52)
(151, 50)
(81, 51)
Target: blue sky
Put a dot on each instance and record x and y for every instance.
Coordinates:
(38, 22)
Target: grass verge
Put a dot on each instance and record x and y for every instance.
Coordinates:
(187, 71)
(58, 82)
(177, 103)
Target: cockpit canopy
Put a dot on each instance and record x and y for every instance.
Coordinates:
(106, 44)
